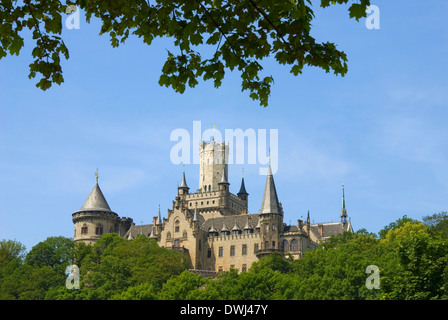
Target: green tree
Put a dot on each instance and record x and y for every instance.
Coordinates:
(210, 37)
(55, 252)
(438, 222)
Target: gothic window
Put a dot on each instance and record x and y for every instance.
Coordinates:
(256, 248)
(99, 230)
(266, 245)
(273, 244)
(273, 227)
(285, 245)
(244, 251)
(84, 229)
(220, 251)
(209, 253)
(294, 245)
(176, 229)
(232, 251)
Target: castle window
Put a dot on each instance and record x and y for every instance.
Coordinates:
(244, 268)
(285, 245)
(266, 245)
(256, 248)
(220, 269)
(273, 227)
(294, 245)
(176, 229)
(209, 253)
(99, 230)
(168, 235)
(184, 235)
(220, 251)
(84, 229)
(273, 244)
(213, 201)
(232, 251)
(244, 251)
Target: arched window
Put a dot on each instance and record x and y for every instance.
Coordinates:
(84, 229)
(285, 245)
(294, 245)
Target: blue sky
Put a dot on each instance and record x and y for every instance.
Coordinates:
(381, 129)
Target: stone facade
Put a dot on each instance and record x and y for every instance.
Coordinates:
(213, 225)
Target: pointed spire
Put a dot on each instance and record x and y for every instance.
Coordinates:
(243, 187)
(308, 217)
(159, 217)
(223, 178)
(343, 210)
(270, 202)
(95, 201)
(183, 184)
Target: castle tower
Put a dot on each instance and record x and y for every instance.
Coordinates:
(271, 216)
(96, 218)
(213, 158)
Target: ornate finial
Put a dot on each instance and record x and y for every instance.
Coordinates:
(243, 172)
(96, 175)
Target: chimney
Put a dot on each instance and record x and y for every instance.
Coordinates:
(154, 221)
(300, 224)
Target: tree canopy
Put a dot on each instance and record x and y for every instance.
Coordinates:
(412, 259)
(210, 37)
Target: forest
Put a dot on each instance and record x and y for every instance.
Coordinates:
(411, 257)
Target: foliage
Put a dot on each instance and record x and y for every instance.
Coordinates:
(412, 258)
(210, 37)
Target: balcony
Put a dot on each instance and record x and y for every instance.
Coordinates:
(265, 252)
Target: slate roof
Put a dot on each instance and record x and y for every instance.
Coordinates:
(270, 202)
(134, 231)
(231, 222)
(95, 201)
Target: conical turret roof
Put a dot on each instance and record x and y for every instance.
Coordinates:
(183, 183)
(243, 188)
(95, 201)
(270, 202)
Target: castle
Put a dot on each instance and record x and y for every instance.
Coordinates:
(213, 225)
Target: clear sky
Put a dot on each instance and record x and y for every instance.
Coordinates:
(382, 129)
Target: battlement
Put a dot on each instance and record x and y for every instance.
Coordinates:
(232, 237)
